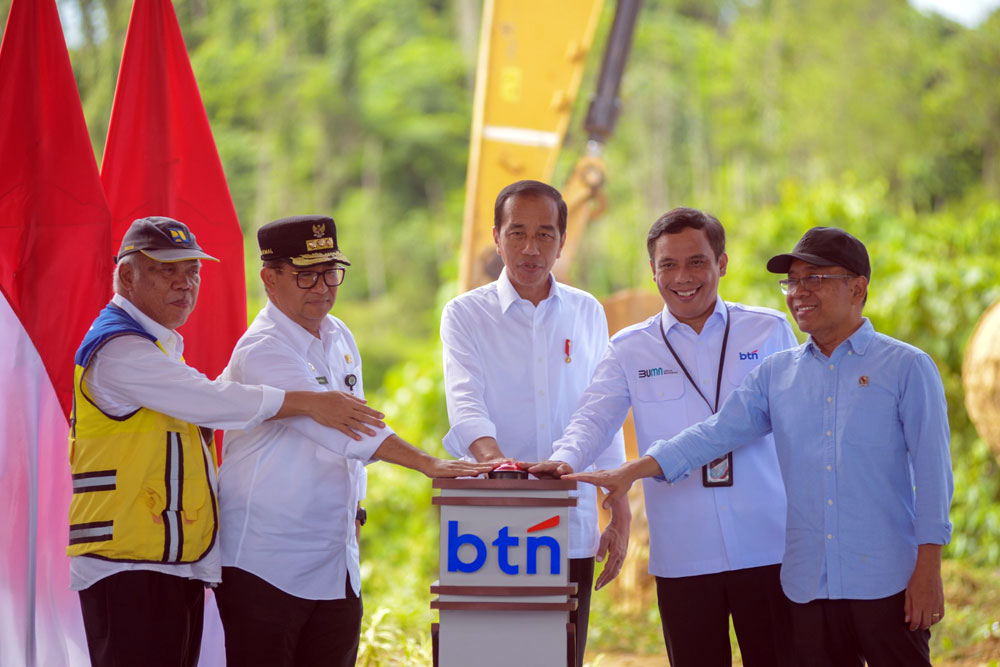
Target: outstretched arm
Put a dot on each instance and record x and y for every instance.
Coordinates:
(336, 409)
(618, 481)
(396, 450)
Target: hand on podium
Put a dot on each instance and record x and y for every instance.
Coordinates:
(547, 469)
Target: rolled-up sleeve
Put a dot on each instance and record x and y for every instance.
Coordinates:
(464, 380)
(924, 416)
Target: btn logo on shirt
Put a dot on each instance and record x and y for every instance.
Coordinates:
(654, 372)
(749, 355)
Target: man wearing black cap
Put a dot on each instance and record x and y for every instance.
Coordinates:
(289, 491)
(143, 519)
(861, 429)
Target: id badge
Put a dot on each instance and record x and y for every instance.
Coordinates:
(719, 472)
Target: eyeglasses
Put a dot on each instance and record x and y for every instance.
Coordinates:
(811, 283)
(308, 279)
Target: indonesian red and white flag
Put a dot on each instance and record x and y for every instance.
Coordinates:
(55, 275)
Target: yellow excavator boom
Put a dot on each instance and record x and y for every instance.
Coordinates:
(531, 60)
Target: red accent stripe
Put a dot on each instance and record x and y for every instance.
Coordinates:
(548, 523)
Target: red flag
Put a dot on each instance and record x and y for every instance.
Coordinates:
(55, 274)
(160, 159)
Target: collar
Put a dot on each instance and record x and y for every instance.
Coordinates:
(508, 295)
(719, 315)
(163, 334)
(857, 341)
(292, 332)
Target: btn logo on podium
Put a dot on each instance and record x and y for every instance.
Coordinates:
(505, 543)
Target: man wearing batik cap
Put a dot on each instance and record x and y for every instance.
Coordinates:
(861, 429)
(289, 491)
(143, 520)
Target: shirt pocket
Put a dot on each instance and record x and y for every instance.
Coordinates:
(875, 418)
(666, 387)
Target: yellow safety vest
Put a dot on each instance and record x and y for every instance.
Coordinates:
(142, 487)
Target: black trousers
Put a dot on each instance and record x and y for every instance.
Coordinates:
(695, 611)
(266, 626)
(143, 618)
(581, 573)
(839, 633)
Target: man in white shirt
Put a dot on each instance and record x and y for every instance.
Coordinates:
(289, 490)
(143, 520)
(716, 539)
(518, 354)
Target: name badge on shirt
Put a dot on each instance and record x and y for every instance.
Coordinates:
(719, 472)
(322, 379)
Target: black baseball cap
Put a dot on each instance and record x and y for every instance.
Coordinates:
(303, 240)
(826, 246)
(163, 239)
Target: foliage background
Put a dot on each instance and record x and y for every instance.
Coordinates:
(776, 115)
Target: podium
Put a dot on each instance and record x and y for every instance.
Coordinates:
(503, 593)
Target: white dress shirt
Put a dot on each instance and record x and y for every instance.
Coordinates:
(128, 373)
(693, 530)
(506, 377)
(289, 488)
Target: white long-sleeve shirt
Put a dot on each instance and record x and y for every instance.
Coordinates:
(693, 530)
(289, 488)
(506, 377)
(129, 373)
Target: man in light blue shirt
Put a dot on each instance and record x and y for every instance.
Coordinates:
(861, 431)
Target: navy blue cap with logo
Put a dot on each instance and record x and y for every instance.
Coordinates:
(163, 239)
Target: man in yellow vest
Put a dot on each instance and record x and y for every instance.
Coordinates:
(144, 514)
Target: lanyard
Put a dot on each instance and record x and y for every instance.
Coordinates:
(722, 361)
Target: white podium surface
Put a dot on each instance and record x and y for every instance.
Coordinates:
(503, 588)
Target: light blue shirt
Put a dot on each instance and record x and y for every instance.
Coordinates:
(693, 530)
(863, 443)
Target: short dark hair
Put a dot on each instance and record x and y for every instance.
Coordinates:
(535, 188)
(672, 222)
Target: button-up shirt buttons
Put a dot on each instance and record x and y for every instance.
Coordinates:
(541, 392)
(831, 367)
(829, 399)
(829, 467)
(850, 353)
(723, 508)
(829, 433)
(830, 501)
(829, 536)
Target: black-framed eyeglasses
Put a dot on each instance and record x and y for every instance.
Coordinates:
(308, 279)
(811, 283)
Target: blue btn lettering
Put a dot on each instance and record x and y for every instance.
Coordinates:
(502, 543)
(455, 542)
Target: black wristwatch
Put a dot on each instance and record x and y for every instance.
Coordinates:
(362, 516)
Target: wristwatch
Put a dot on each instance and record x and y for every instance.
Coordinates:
(362, 516)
